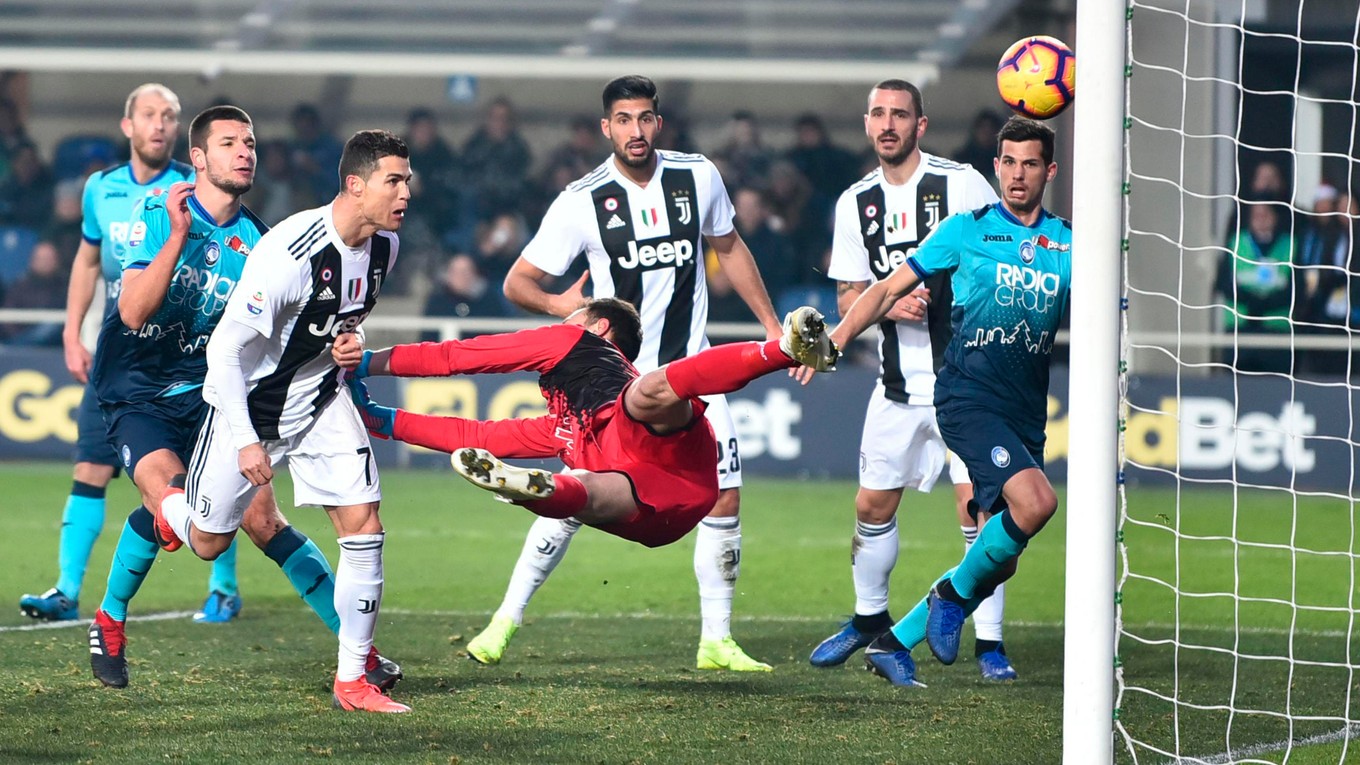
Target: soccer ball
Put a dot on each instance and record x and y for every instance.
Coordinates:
(1037, 77)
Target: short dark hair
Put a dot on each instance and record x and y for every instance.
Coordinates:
(905, 87)
(365, 148)
(1019, 129)
(201, 127)
(628, 87)
(625, 326)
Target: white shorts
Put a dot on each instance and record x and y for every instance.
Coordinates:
(331, 463)
(901, 446)
(729, 457)
(958, 472)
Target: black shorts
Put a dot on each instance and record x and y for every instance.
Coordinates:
(138, 429)
(92, 435)
(993, 447)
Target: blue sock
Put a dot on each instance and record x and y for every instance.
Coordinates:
(1000, 542)
(81, 522)
(308, 571)
(132, 560)
(223, 577)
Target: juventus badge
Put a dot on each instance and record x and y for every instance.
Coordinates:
(932, 214)
(682, 205)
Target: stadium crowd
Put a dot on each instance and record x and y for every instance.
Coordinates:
(475, 206)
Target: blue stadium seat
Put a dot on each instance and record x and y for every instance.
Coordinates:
(821, 298)
(16, 245)
(75, 154)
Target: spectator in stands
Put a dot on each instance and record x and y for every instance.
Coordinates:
(12, 129)
(1324, 258)
(678, 135)
(43, 286)
(829, 168)
(277, 193)
(498, 243)
(26, 198)
(980, 148)
(434, 194)
(316, 155)
(801, 213)
(63, 231)
(746, 161)
(779, 263)
(582, 152)
(1256, 280)
(496, 161)
(463, 291)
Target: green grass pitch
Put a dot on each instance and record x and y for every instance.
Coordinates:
(603, 671)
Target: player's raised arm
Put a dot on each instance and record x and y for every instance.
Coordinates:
(164, 225)
(524, 288)
(873, 304)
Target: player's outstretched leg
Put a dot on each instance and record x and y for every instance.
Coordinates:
(806, 341)
(509, 483)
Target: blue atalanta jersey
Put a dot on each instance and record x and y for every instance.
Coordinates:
(110, 197)
(166, 356)
(1011, 284)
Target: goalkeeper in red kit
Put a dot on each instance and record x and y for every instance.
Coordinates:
(642, 458)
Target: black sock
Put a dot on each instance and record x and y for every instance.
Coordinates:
(887, 642)
(871, 622)
(947, 592)
(987, 646)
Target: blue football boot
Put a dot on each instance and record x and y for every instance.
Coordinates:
(995, 665)
(897, 667)
(219, 608)
(835, 650)
(944, 626)
(51, 606)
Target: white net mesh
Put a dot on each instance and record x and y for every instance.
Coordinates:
(1237, 637)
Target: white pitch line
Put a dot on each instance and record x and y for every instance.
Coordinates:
(158, 617)
(1350, 731)
(749, 618)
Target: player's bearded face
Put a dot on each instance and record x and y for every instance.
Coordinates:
(632, 128)
(1023, 175)
(893, 125)
(152, 128)
(229, 159)
(387, 193)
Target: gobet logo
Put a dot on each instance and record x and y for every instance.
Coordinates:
(31, 409)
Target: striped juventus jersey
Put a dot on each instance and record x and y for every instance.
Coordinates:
(301, 288)
(643, 245)
(878, 226)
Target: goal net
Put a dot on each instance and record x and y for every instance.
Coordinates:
(1236, 619)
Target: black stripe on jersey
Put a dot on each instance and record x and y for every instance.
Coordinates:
(682, 207)
(932, 206)
(871, 226)
(611, 208)
(314, 330)
(303, 244)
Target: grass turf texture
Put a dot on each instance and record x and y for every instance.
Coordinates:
(603, 669)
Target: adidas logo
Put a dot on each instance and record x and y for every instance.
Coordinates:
(614, 222)
(326, 293)
(873, 226)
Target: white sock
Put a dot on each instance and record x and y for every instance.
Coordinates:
(717, 563)
(987, 617)
(358, 594)
(544, 548)
(969, 536)
(175, 510)
(872, 558)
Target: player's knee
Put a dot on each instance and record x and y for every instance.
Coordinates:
(210, 546)
(876, 507)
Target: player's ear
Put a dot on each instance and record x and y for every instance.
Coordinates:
(604, 126)
(1052, 172)
(658, 123)
(921, 125)
(126, 125)
(604, 329)
(354, 185)
(198, 158)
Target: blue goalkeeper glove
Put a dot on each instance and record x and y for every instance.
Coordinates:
(361, 371)
(380, 420)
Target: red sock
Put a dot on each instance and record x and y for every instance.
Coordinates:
(725, 368)
(568, 499)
